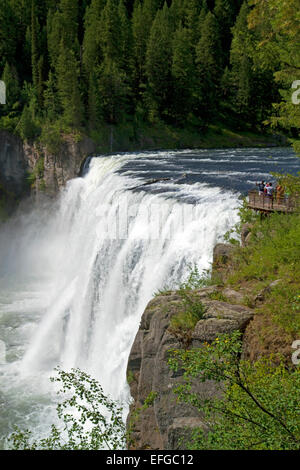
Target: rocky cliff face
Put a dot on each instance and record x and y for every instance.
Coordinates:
(30, 168)
(51, 171)
(166, 424)
(13, 164)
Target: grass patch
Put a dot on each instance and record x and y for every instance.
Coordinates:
(191, 310)
(218, 295)
(134, 135)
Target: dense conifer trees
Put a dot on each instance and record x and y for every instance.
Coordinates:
(87, 63)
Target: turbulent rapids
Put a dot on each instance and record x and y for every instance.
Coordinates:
(76, 276)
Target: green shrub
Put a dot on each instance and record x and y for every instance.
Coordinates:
(218, 295)
(51, 138)
(191, 310)
(90, 419)
(272, 253)
(195, 279)
(28, 127)
(256, 405)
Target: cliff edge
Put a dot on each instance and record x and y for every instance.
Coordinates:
(30, 168)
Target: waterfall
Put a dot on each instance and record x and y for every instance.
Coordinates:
(96, 258)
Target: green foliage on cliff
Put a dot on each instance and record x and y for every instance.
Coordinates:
(37, 173)
(273, 253)
(88, 65)
(191, 310)
(258, 404)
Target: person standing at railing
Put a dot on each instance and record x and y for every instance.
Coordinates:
(279, 193)
(266, 189)
(261, 188)
(270, 192)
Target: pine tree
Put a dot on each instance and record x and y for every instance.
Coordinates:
(92, 41)
(69, 20)
(183, 73)
(40, 82)
(253, 85)
(177, 13)
(62, 25)
(127, 60)
(125, 38)
(34, 46)
(9, 34)
(208, 67)
(94, 110)
(202, 16)
(192, 11)
(27, 127)
(11, 80)
(276, 26)
(51, 100)
(112, 78)
(63, 46)
(242, 66)
(139, 42)
(142, 19)
(110, 32)
(225, 12)
(92, 59)
(113, 92)
(68, 87)
(54, 36)
(158, 65)
(27, 54)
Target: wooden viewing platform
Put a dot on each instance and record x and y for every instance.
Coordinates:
(263, 203)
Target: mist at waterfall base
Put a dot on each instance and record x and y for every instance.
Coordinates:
(77, 273)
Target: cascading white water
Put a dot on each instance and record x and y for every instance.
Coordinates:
(90, 265)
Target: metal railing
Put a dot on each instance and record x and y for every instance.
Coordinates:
(274, 203)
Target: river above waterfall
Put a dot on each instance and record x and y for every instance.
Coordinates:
(77, 273)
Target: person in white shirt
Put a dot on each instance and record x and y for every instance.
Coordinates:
(270, 191)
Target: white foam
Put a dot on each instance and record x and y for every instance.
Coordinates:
(93, 264)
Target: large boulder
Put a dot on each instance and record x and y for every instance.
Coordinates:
(246, 234)
(219, 318)
(221, 254)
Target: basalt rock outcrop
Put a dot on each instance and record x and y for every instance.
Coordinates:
(221, 260)
(58, 168)
(27, 168)
(165, 423)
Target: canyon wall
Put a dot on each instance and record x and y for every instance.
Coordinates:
(27, 168)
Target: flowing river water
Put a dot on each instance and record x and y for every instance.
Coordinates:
(76, 274)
